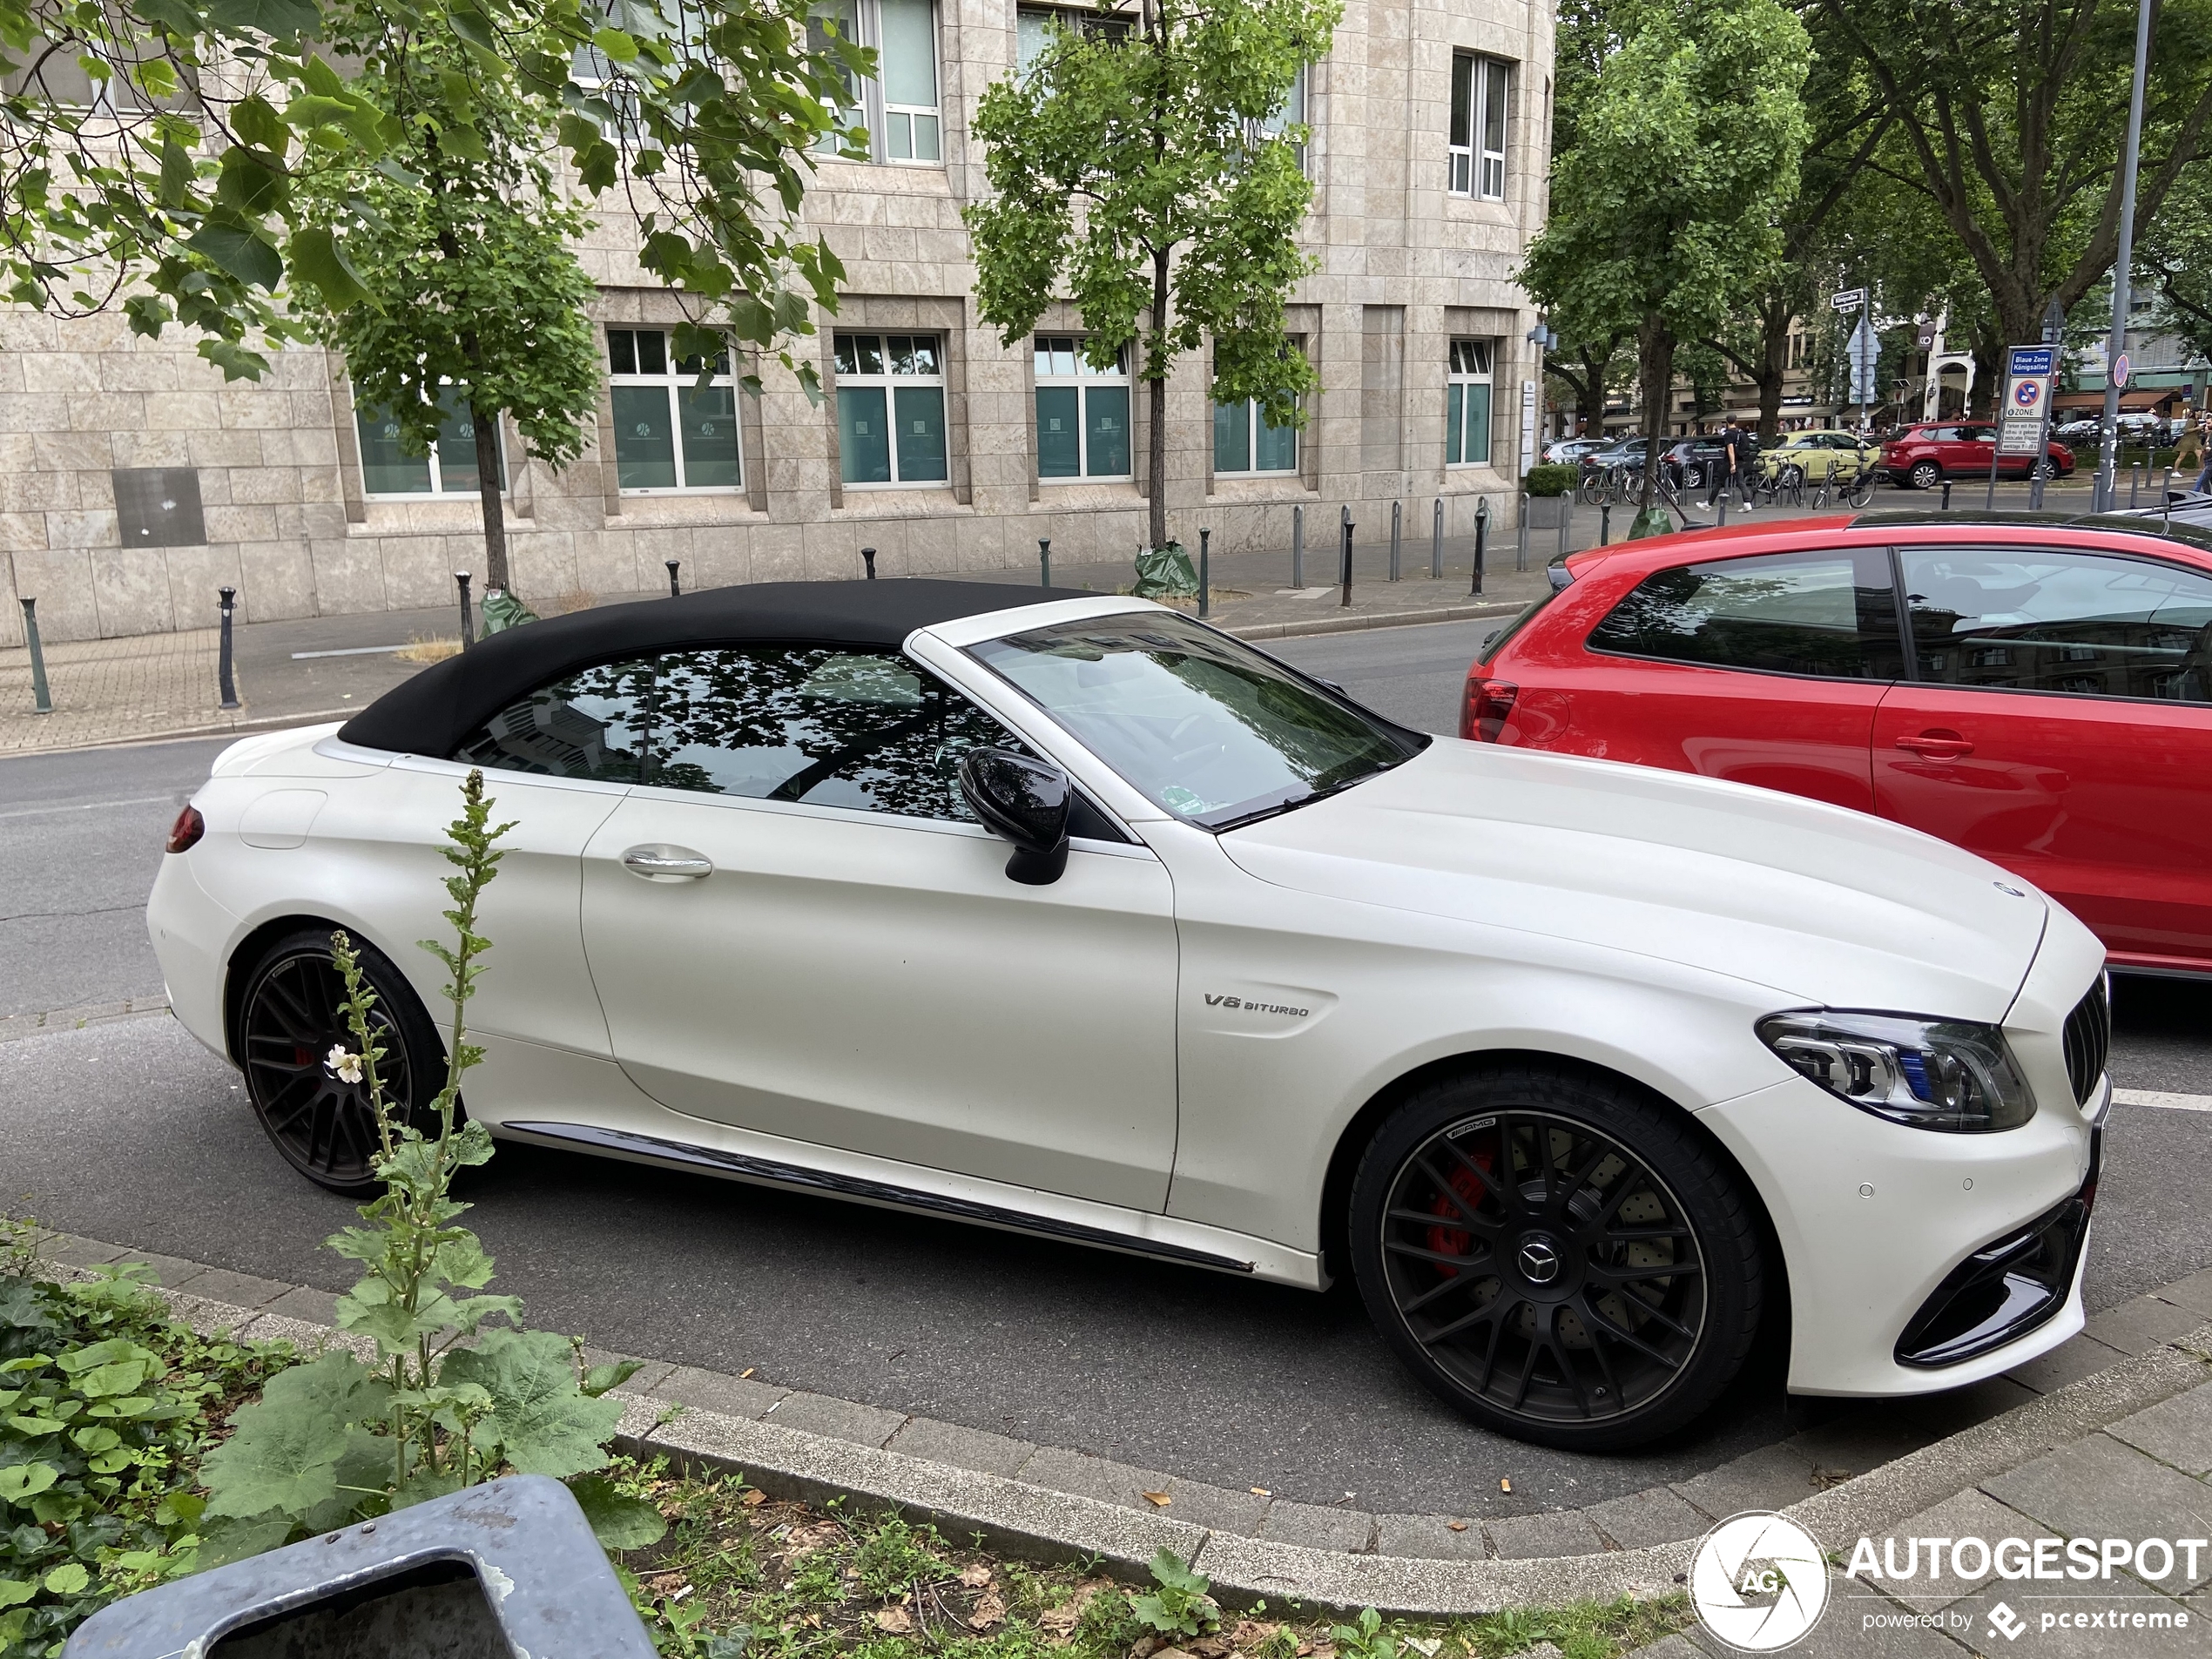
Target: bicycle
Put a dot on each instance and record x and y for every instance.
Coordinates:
(1848, 483)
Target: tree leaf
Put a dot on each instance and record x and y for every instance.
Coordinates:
(545, 1424)
(619, 1521)
(317, 257)
(278, 19)
(242, 252)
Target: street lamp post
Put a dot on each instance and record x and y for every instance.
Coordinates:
(2116, 347)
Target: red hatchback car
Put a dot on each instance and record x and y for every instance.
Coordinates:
(1923, 456)
(2038, 691)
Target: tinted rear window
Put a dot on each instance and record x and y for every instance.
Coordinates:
(1828, 613)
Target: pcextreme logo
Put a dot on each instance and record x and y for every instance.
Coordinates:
(1759, 1582)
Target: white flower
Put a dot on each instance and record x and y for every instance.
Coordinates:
(348, 1066)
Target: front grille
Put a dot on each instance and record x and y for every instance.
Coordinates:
(2088, 1038)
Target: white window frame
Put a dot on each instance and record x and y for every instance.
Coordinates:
(1459, 374)
(1475, 168)
(675, 380)
(873, 110)
(438, 490)
(1083, 381)
(892, 383)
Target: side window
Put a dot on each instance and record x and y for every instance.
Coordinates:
(1831, 614)
(2085, 624)
(831, 728)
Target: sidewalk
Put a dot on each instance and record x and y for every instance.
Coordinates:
(2110, 1436)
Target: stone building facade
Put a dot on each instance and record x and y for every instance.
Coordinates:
(134, 482)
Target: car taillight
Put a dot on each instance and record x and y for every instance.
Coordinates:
(1489, 705)
(185, 833)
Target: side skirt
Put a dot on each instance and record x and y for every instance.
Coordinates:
(653, 1149)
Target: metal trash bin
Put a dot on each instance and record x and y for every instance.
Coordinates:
(507, 1568)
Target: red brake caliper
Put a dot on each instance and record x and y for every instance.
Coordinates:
(1454, 1241)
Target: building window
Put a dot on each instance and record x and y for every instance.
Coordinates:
(1478, 135)
(890, 408)
(899, 107)
(1243, 442)
(1033, 30)
(1083, 413)
(448, 470)
(1467, 404)
(670, 433)
(1293, 113)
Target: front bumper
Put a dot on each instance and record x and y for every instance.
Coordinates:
(1874, 1217)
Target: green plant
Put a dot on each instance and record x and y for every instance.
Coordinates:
(18, 1248)
(1550, 478)
(893, 1556)
(337, 1440)
(1366, 1638)
(103, 1415)
(1178, 1605)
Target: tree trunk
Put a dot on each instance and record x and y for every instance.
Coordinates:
(1656, 347)
(488, 482)
(1155, 403)
(1774, 318)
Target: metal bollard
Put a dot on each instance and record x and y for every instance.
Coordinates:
(675, 587)
(1044, 561)
(1724, 504)
(1346, 516)
(2134, 486)
(225, 680)
(1397, 525)
(1565, 522)
(1205, 572)
(1947, 495)
(468, 623)
(1436, 544)
(2166, 503)
(42, 700)
(1605, 524)
(1520, 547)
(867, 557)
(1481, 540)
(1297, 547)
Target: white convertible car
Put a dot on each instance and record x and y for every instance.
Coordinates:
(1582, 1070)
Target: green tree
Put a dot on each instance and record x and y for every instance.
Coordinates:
(155, 153)
(2009, 118)
(1148, 170)
(1663, 209)
(462, 292)
(2176, 258)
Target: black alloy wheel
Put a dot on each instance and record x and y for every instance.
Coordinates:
(1563, 1259)
(289, 1021)
(1926, 475)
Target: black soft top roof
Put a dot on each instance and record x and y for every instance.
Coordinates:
(431, 713)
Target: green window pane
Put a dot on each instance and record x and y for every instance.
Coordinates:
(1232, 437)
(386, 468)
(457, 472)
(925, 147)
(863, 436)
(1058, 435)
(1106, 435)
(1452, 423)
(920, 412)
(909, 54)
(1477, 424)
(710, 423)
(1278, 448)
(644, 445)
(898, 137)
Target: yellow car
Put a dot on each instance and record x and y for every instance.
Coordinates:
(1814, 454)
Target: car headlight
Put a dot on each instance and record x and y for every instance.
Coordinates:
(1932, 1073)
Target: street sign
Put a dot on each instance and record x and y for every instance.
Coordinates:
(2024, 418)
(1528, 426)
(1848, 298)
(2119, 372)
(1864, 351)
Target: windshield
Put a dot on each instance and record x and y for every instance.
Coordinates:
(1202, 724)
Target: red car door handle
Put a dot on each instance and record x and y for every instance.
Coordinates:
(1937, 745)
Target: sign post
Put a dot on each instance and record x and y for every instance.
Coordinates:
(1864, 351)
(2024, 417)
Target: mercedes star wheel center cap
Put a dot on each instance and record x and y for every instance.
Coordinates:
(1538, 1260)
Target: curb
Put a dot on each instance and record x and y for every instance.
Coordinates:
(969, 1482)
(179, 734)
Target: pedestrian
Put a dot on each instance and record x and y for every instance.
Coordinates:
(2202, 433)
(1747, 461)
(1723, 464)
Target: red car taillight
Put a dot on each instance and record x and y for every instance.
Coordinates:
(1489, 705)
(185, 833)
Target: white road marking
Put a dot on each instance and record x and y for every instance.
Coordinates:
(2158, 1097)
(88, 806)
(350, 651)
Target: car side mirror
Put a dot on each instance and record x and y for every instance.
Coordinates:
(1025, 801)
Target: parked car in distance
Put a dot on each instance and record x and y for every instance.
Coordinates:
(1615, 452)
(1692, 463)
(1924, 455)
(1808, 457)
(1068, 914)
(1566, 452)
(2052, 711)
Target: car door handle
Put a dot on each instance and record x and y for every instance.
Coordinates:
(658, 861)
(1937, 745)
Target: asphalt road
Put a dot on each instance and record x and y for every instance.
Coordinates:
(131, 1132)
